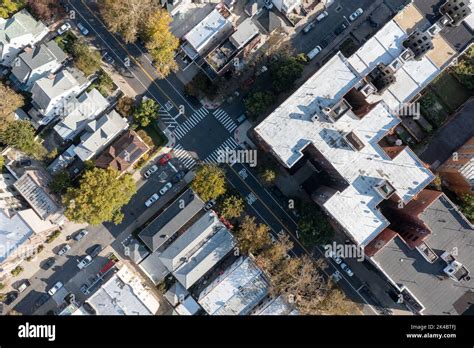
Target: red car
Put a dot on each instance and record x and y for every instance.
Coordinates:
(164, 159)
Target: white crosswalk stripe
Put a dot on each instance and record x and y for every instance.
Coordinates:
(181, 154)
(190, 123)
(222, 116)
(167, 119)
(213, 158)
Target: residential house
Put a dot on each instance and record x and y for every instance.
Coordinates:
(123, 153)
(79, 111)
(124, 294)
(458, 171)
(33, 187)
(207, 34)
(51, 94)
(171, 220)
(37, 62)
(20, 234)
(174, 7)
(99, 133)
(238, 290)
(16, 33)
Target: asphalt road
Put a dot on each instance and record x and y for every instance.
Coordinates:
(201, 140)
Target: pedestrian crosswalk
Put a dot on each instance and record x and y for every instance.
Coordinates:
(214, 157)
(222, 116)
(167, 119)
(190, 123)
(184, 157)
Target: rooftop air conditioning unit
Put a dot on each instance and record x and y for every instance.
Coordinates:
(434, 29)
(367, 89)
(396, 64)
(407, 55)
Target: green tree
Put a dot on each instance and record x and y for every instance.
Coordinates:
(252, 237)
(146, 112)
(272, 256)
(100, 196)
(467, 206)
(268, 176)
(209, 182)
(258, 102)
(2, 162)
(85, 58)
(146, 138)
(9, 102)
(313, 226)
(285, 73)
(125, 106)
(336, 303)
(21, 135)
(232, 207)
(160, 42)
(8, 7)
(46, 9)
(60, 182)
(464, 69)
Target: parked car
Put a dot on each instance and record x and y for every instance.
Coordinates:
(65, 27)
(89, 309)
(314, 52)
(150, 171)
(83, 29)
(23, 286)
(210, 204)
(80, 235)
(95, 250)
(152, 200)
(356, 14)
(337, 276)
(41, 300)
(24, 163)
(178, 176)
(309, 27)
(10, 297)
(164, 159)
(346, 269)
(86, 261)
(321, 16)
(336, 258)
(165, 188)
(64, 250)
(343, 26)
(55, 288)
(108, 58)
(49, 263)
(241, 118)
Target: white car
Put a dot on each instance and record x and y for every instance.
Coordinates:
(314, 52)
(346, 269)
(152, 200)
(65, 27)
(356, 14)
(86, 261)
(55, 288)
(150, 171)
(165, 188)
(321, 16)
(337, 276)
(80, 235)
(64, 250)
(336, 258)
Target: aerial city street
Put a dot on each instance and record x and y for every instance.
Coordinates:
(237, 157)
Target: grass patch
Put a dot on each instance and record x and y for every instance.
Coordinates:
(348, 47)
(152, 130)
(104, 84)
(450, 91)
(433, 109)
(66, 41)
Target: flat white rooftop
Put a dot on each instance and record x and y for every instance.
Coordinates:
(292, 127)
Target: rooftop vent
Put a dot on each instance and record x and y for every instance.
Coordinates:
(354, 141)
(434, 29)
(454, 269)
(368, 89)
(385, 189)
(456, 10)
(419, 43)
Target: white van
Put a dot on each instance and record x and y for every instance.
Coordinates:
(314, 52)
